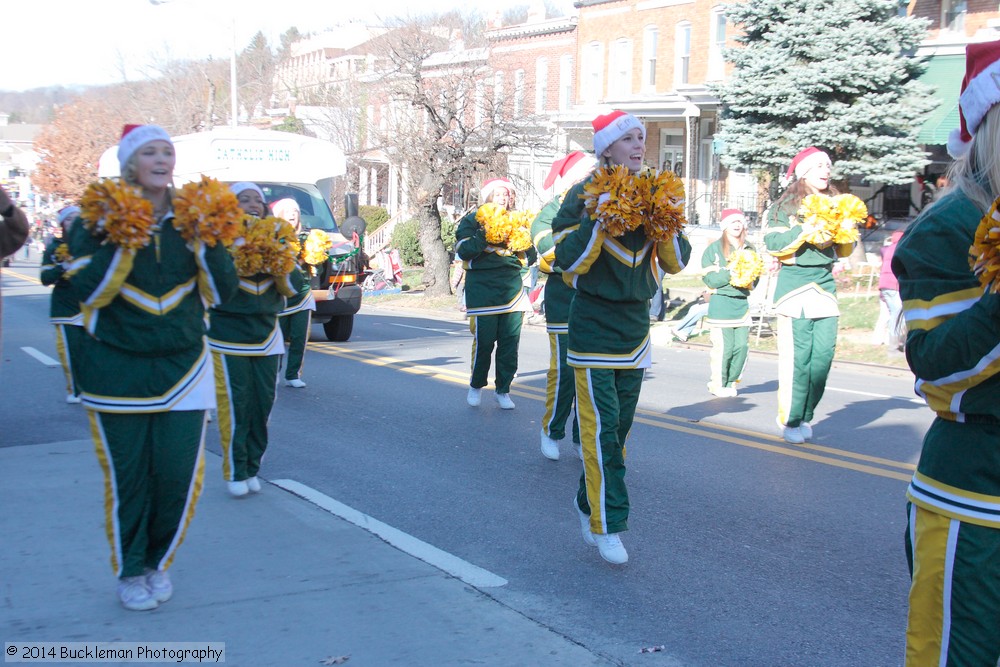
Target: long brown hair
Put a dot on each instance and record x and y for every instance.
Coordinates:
(794, 194)
(726, 247)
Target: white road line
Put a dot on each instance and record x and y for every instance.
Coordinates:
(871, 395)
(44, 358)
(453, 565)
(444, 331)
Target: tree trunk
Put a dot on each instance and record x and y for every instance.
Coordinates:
(437, 263)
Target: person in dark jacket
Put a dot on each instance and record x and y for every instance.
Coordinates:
(64, 309)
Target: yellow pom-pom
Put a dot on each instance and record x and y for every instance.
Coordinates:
(316, 248)
(118, 212)
(984, 254)
(207, 210)
(745, 266)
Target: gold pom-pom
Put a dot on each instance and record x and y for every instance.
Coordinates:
(269, 245)
(207, 210)
(495, 223)
(745, 266)
(849, 212)
(665, 218)
(984, 254)
(118, 212)
(62, 254)
(621, 210)
(316, 248)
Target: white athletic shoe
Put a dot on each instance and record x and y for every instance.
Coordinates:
(135, 595)
(72, 400)
(504, 401)
(296, 383)
(806, 429)
(474, 397)
(588, 536)
(791, 434)
(611, 548)
(550, 448)
(253, 484)
(159, 585)
(238, 489)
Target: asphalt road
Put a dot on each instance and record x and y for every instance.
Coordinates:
(744, 550)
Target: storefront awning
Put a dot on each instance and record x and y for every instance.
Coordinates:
(945, 73)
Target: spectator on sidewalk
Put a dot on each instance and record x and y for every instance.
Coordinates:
(14, 230)
(953, 528)
(889, 326)
(688, 317)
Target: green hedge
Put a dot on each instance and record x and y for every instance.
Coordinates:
(406, 239)
(374, 216)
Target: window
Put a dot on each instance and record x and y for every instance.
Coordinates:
(541, 84)
(620, 76)
(717, 42)
(650, 46)
(682, 48)
(518, 93)
(953, 15)
(565, 82)
(593, 64)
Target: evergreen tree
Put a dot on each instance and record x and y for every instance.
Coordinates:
(837, 74)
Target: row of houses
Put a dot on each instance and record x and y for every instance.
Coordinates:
(653, 58)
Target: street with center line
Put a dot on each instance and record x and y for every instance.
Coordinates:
(744, 550)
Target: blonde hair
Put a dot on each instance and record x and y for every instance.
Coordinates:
(977, 173)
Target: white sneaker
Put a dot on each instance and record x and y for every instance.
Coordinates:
(806, 429)
(135, 595)
(295, 382)
(158, 583)
(716, 390)
(550, 448)
(730, 391)
(238, 489)
(791, 434)
(504, 401)
(253, 484)
(611, 548)
(475, 397)
(588, 536)
(73, 399)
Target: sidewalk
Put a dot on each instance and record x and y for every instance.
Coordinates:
(274, 576)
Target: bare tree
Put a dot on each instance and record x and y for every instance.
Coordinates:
(443, 122)
(256, 67)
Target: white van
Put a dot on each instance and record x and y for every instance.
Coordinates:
(283, 165)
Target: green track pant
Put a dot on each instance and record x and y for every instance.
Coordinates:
(729, 354)
(606, 401)
(69, 340)
(504, 332)
(560, 391)
(295, 330)
(805, 355)
(153, 474)
(244, 391)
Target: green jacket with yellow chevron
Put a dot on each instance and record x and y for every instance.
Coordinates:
(952, 344)
(63, 308)
(805, 285)
(145, 312)
(728, 306)
(615, 279)
(558, 295)
(493, 274)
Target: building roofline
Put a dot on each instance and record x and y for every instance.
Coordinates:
(536, 29)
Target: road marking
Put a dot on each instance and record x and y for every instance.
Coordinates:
(871, 395)
(22, 276)
(730, 434)
(44, 358)
(444, 331)
(453, 565)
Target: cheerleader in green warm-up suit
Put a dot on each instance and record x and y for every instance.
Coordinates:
(495, 298)
(296, 319)
(145, 373)
(805, 297)
(560, 383)
(247, 344)
(728, 315)
(64, 309)
(609, 346)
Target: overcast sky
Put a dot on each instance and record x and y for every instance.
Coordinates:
(71, 42)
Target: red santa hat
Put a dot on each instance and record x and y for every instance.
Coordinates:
(979, 93)
(492, 185)
(135, 137)
(729, 216)
(806, 159)
(611, 127)
(68, 213)
(570, 169)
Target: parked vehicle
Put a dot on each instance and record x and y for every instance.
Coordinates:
(284, 165)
